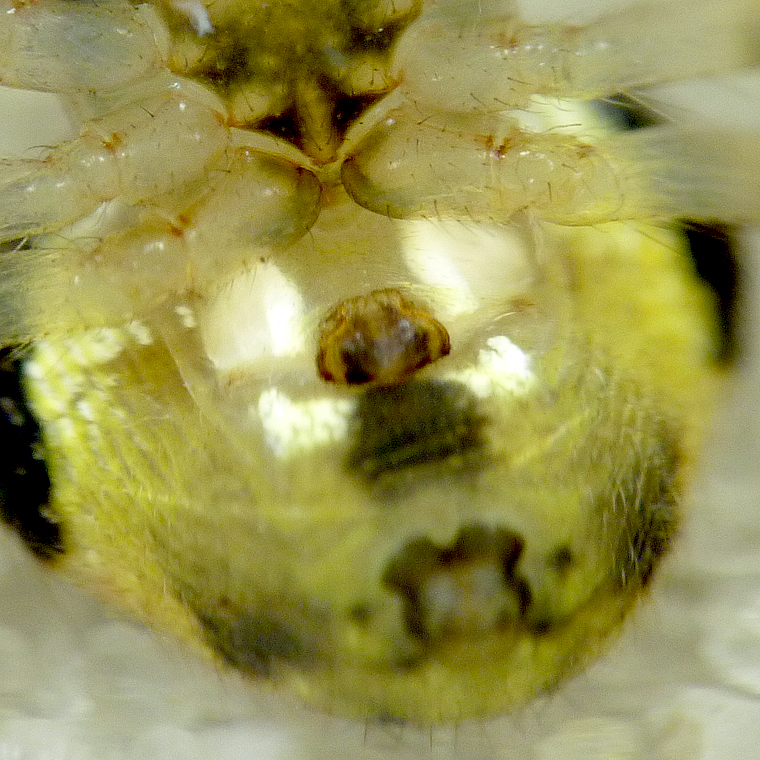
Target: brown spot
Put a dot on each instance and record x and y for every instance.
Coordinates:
(381, 338)
(114, 143)
(177, 228)
(520, 304)
(584, 150)
(510, 141)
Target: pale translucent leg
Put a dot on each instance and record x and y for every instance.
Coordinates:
(488, 60)
(454, 166)
(697, 171)
(259, 203)
(64, 46)
(142, 151)
(465, 167)
(452, 147)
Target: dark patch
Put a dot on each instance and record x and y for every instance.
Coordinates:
(387, 719)
(226, 60)
(238, 54)
(540, 626)
(361, 614)
(348, 108)
(415, 423)
(406, 574)
(24, 480)
(649, 504)
(252, 642)
(475, 546)
(376, 41)
(285, 126)
(655, 526)
(627, 113)
(390, 726)
(354, 359)
(561, 559)
(378, 36)
(714, 253)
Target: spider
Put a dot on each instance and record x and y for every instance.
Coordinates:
(330, 357)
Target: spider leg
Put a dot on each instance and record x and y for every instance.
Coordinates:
(141, 151)
(449, 166)
(92, 275)
(454, 146)
(60, 46)
(500, 61)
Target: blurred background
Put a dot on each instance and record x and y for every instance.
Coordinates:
(683, 683)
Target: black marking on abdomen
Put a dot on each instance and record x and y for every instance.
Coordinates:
(414, 423)
(253, 642)
(24, 480)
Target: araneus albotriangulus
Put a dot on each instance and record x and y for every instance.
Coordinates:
(330, 354)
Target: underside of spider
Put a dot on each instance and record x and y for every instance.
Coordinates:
(328, 368)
